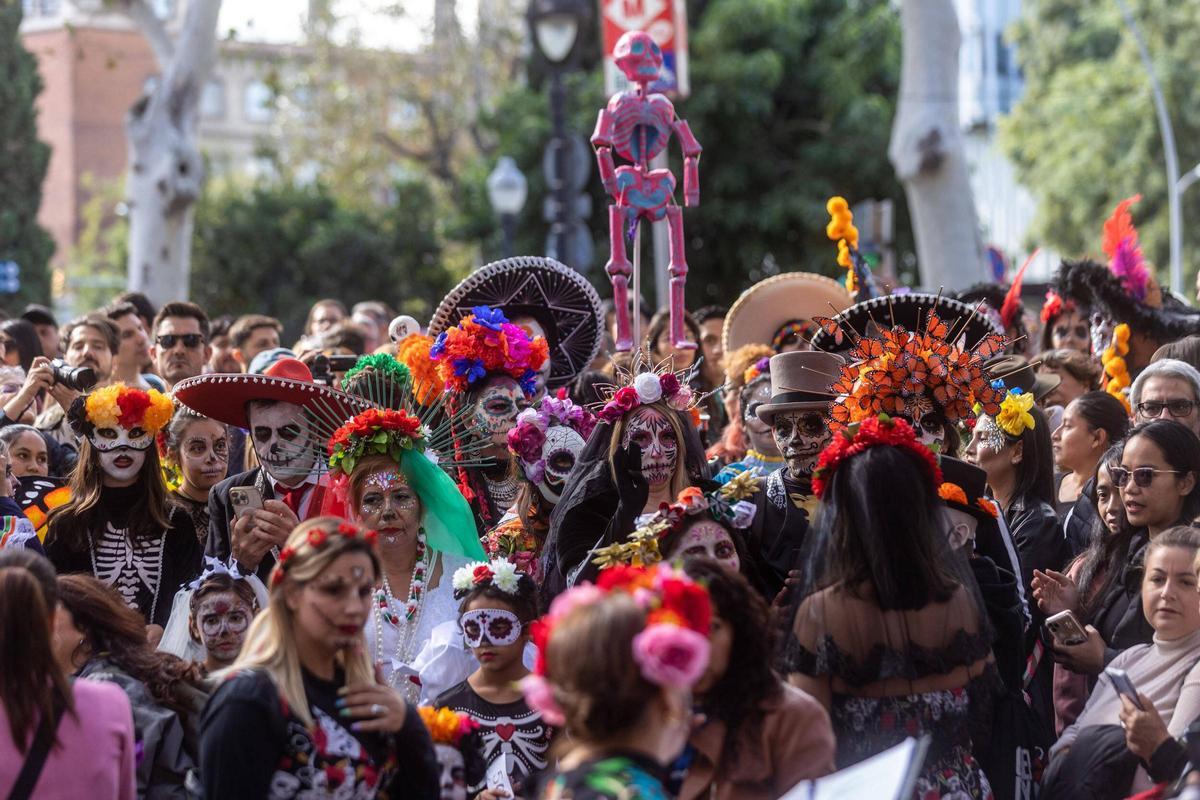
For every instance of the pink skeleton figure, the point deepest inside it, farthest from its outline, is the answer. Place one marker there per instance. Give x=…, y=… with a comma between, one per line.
x=638, y=126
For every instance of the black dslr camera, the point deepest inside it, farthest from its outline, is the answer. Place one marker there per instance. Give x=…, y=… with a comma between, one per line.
x=324, y=367
x=78, y=378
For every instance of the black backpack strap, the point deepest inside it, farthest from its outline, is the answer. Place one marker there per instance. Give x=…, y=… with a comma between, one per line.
x=35, y=759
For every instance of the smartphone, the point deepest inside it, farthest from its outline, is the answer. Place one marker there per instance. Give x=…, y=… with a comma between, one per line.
x=1121, y=682
x=1065, y=628
x=245, y=498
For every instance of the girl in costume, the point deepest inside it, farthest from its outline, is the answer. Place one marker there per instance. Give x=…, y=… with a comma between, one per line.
x=1065, y=326
x=499, y=604
x=616, y=664
x=546, y=441
x=117, y=524
x=211, y=615
x=300, y=713
x=490, y=366
x=198, y=448
x=460, y=764
x=746, y=442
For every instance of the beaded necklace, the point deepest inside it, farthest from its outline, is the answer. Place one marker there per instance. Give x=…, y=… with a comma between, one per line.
x=406, y=629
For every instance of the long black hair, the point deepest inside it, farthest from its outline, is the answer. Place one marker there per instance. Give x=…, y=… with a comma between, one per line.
x=1035, y=470
x=25, y=336
x=1102, y=558
x=1181, y=448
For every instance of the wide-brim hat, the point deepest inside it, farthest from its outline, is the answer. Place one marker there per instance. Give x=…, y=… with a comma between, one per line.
x=768, y=305
x=1017, y=372
x=223, y=397
x=910, y=311
x=972, y=480
x=562, y=301
x=800, y=381
x=1160, y=315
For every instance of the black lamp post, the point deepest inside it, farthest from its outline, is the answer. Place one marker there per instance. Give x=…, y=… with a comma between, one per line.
x=506, y=188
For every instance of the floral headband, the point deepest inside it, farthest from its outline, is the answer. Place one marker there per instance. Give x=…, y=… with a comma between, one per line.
x=672, y=650
x=317, y=539
x=529, y=434
x=447, y=726
x=1011, y=421
x=501, y=573
x=382, y=363
x=129, y=408
x=484, y=343
x=647, y=387
x=375, y=432
x=758, y=369
x=1054, y=306
x=881, y=431
x=953, y=493
x=727, y=504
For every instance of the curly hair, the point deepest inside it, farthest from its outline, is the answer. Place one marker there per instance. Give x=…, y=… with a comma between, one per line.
x=737, y=696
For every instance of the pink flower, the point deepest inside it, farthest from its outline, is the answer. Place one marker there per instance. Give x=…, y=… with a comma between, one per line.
x=670, y=655
x=681, y=399
x=540, y=696
x=626, y=398
x=573, y=598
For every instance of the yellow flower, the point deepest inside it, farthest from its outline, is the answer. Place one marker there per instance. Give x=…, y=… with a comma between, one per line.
x=1121, y=334
x=102, y=408
x=837, y=205
x=1014, y=417
x=159, y=413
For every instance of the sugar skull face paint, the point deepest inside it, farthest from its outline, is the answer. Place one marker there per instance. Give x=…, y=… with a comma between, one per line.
x=758, y=432
x=453, y=781
x=660, y=446
x=800, y=437
x=281, y=434
x=121, y=452
x=560, y=451
x=220, y=621
x=497, y=404
x=707, y=537
x=389, y=505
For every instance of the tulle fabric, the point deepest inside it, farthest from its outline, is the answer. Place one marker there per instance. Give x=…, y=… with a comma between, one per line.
x=177, y=637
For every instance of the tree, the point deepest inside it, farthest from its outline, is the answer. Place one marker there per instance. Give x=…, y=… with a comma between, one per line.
x=23, y=162
x=1087, y=93
x=927, y=148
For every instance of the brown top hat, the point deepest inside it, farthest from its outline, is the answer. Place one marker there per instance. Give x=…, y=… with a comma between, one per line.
x=800, y=381
x=1017, y=373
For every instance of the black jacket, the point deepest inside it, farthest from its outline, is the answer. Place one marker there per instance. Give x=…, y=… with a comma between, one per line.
x=220, y=517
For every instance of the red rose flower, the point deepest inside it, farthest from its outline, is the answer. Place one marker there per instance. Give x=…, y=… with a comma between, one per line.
x=669, y=384
x=626, y=398
x=347, y=530
x=317, y=537
x=482, y=574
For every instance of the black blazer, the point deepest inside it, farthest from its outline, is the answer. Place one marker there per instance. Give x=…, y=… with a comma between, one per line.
x=220, y=515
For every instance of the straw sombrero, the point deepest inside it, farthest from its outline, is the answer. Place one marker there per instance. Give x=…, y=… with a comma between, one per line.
x=770, y=304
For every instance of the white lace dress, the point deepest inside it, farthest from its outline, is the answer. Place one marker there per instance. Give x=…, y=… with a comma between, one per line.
x=433, y=659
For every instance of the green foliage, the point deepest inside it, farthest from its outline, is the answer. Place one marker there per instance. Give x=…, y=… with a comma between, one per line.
x=95, y=270
x=23, y=161
x=1085, y=134
x=277, y=248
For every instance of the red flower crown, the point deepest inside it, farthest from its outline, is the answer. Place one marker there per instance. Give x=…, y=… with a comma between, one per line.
x=881, y=431
x=1054, y=306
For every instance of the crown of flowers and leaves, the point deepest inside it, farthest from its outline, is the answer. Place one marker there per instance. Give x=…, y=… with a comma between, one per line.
x=375, y=432
x=728, y=504
x=129, y=408
x=644, y=384
x=898, y=372
x=881, y=431
x=529, y=434
x=512, y=541
x=500, y=572
x=317, y=538
x=447, y=726
x=383, y=364
x=485, y=343
x=672, y=649
x=759, y=369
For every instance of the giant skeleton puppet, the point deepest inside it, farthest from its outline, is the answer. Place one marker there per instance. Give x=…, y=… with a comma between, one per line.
x=637, y=125
x=283, y=410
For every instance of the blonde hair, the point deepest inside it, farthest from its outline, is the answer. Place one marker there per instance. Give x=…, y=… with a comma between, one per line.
x=270, y=643
x=679, y=479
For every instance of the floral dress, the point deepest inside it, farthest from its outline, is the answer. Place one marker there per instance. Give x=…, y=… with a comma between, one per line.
x=620, y=776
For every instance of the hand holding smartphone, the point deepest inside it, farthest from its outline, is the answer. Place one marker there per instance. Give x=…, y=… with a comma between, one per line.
x=1066, y=629
x=1123, y=685
x=245, y=498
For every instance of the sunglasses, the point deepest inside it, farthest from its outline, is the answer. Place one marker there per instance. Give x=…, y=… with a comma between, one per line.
x=190, y=340
x=493, y=625
x=1142, y=476
x=1178, y=408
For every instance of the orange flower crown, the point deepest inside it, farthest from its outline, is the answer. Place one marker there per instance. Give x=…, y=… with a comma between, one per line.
x=447, y=726
x=485, y=343
x=129, y=408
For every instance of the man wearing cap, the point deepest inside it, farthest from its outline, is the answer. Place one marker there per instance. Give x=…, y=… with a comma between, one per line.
x=279, y=408
x=798, y=415
x=46, y=326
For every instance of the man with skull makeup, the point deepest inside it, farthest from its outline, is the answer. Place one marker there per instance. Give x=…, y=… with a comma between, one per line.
x=279, y=409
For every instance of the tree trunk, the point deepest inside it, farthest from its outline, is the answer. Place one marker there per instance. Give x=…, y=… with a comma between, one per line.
x=166, y=171
x=927, y=151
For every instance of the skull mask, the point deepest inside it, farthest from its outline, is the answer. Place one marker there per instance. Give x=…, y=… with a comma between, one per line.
x=931, y=430
x=122, y=452
x=800, y=437
x=282, y=436
x=559, y=453
x=660, y=446
x=453, y=771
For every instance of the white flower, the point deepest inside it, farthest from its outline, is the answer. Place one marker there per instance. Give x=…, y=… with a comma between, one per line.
x=528, y=416
x=464, y=577
x=648, y=387
x=505, y=576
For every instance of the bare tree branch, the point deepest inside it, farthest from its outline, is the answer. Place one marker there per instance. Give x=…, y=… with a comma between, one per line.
x=142, y=14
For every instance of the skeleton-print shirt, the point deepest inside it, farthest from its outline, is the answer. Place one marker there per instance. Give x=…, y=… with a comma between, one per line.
x=252, y=746
x=511, y=729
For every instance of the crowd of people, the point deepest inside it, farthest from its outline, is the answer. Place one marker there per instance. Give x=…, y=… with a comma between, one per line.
x=494, y=557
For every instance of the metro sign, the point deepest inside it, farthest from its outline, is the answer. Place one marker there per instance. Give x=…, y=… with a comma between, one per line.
x=666, y=22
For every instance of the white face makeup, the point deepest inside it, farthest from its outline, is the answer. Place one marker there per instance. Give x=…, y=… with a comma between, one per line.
x=800, y=437
x=497, y=404
x=221, y=620
x=707, y=537
x=650, y=430
x=281, y=433
x=758, y=432
x=389, y=505
x=560, y=451
x=453, y=780
x=122, y=452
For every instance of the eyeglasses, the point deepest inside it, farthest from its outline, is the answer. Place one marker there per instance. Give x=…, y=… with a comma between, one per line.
x=494, y=625
x=1154, y=408
x=190, y=340
x=1142, y=476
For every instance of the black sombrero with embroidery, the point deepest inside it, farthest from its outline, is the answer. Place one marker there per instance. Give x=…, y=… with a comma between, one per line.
x=909, y=311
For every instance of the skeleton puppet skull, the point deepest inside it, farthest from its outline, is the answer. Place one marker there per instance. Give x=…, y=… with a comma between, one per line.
x=800, y=437
x=282, y=435
x=653, y=433
x=122, y=452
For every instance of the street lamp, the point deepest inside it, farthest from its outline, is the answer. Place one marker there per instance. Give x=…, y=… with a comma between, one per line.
x=506, y=188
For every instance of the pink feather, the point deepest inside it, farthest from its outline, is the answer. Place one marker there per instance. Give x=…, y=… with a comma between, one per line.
x=1123, y=250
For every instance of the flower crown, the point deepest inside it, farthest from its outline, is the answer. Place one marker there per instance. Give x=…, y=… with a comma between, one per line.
x=375, y=432
x=1054, y=306
x=447, y=726
x=647, y=387
x=1014, y=417
x=383, y=364
x=881, y=431
x=529, y=434
x=512, y=542
x=727, y=504
x=672, y=650
x=129, y=408
x=756, y=370
x=953, y=493
x=317, y=538
x=413, y=352
x=501, y=573
x=483, y=343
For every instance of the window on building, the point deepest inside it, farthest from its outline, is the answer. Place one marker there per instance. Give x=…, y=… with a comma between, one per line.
x=256, y=102
x=212, y=100
x=41, y=8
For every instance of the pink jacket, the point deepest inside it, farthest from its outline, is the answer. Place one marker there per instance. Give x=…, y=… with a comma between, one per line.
x=793, y=742
x=93, y=755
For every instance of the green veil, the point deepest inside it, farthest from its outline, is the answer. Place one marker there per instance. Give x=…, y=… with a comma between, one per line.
x=449, y=523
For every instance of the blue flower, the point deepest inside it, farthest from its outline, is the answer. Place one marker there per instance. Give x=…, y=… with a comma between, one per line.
x=470, y=368
x=529, y=383
x=998, y=385
x=1017, y=390
x=491, y=318
x=439, y=346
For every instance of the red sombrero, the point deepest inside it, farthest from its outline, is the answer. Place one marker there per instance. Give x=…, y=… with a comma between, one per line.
x=223, y=397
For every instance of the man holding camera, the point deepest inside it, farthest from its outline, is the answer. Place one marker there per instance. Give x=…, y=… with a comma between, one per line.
x=91, y=344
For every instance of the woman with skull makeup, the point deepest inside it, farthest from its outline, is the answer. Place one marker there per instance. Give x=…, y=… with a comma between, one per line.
x=747, y=441
x=199, y=448
x=301, y=713
x=117, y=525
x=210, y=616
x=490, y=366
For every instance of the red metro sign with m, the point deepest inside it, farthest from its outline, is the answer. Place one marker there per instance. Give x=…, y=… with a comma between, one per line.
x=666, y=22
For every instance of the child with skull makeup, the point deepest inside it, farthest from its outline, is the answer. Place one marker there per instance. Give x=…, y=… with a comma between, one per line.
x=117, y=525
x=498, y=605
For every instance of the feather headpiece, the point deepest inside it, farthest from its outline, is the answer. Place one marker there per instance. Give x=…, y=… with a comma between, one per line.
x=1123, y=250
